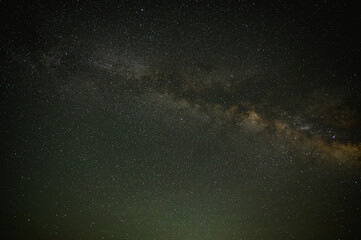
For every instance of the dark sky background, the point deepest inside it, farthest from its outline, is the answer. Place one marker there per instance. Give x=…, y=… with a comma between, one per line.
x=180, y=120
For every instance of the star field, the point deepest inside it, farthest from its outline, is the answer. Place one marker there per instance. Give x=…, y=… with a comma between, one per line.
x=180, y=120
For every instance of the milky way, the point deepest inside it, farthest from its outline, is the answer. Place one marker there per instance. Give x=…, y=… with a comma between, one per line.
x=193, y=120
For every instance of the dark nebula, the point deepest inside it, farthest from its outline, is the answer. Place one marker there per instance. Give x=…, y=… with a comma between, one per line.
x=180, y=120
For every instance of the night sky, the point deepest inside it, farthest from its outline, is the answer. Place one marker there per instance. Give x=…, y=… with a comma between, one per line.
x=180, y=120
